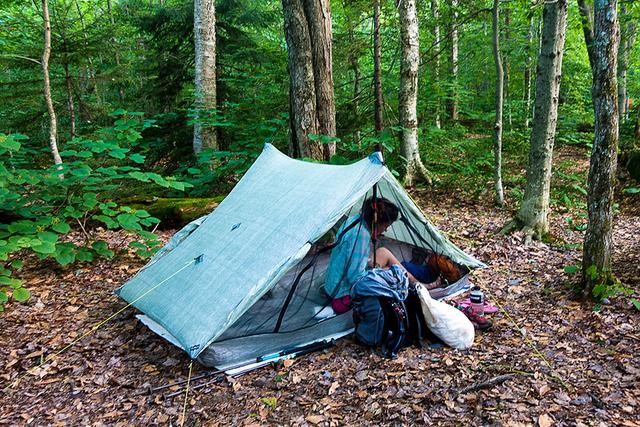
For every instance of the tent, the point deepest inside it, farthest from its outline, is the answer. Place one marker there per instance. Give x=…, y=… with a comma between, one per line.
x=232, y=286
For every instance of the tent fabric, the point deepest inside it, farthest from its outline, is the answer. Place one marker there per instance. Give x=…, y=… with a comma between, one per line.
x=256, y=238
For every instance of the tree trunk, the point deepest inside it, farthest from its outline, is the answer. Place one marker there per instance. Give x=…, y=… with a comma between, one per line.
x=623, y=54
x=452, y=102
x=636, y=130
x=116, y=48
x=527, y=71
x=70, y=102
x=535, y=205
x=91, y=72
x=377, y=82
x=318, y=14
x=357, y=76
x=53, y=122
x=435, y=11
x=204, y=31
x=497, y=140
x=586, y=18
x=414, y=170
x=507, y=65
x=302, y=92
x=307, y=27
x=598, y=240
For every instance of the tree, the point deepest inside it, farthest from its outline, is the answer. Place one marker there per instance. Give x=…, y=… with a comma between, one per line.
x=377, y=81
x=435, y=12
x=526, y=96
x=204, y=30
x=497, y=135
x=586, y=19
x=535, y=204
x=452, y=102
x=307, y=26
x=627, y=38
x=414, y=170
x=53, y=122
x=598, y=240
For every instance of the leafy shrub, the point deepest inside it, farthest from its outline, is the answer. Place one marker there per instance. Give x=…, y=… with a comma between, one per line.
x=40, y=206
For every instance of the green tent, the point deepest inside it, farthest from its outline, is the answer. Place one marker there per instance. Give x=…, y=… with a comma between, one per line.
x=232, y=286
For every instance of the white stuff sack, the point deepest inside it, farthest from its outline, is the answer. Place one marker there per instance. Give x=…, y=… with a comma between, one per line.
x=446, y=322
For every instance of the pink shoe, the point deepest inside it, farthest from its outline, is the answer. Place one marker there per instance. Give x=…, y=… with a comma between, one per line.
x=488, y=307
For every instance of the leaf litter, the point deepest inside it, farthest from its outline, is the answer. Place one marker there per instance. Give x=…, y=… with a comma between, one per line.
x=105, y=379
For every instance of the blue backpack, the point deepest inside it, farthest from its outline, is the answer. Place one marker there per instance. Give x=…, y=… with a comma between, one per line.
x=379, y=312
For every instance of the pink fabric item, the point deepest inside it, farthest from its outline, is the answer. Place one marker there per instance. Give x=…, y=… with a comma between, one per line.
x=342, y=304
x=488, y=307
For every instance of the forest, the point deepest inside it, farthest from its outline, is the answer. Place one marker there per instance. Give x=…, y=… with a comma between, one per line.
x=513, y=125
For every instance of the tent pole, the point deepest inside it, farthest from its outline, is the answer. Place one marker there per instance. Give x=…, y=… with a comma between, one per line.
x=374, y=226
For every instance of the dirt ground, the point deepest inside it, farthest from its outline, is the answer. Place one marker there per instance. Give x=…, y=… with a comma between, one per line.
x=549, y=360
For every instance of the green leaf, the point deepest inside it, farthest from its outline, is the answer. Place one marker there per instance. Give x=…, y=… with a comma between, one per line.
x=84, y=255
x=3, y=296
x=631, y=190
x=64, y=255
x=592, y=271
x=82, y=171
x=137, y=245
x=22, y=227
x=21, y=294
x=44, y=247
x=636, y=304
x=102, y=248
x=148, y=235
x=48, y=236
x=138, y=158
x=571, y=269
x=17, y=264
x=108, y=221
x=140, y=176
x=141, y=213
x=61, y=227
x=10, y=281
x=129, y=221
x=599, y=291
x=9, y=143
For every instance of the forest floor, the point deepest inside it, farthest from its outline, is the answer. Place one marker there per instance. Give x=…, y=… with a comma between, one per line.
x=566, y=364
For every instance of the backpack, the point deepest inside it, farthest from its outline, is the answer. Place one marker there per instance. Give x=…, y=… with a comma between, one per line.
x=381, y=322
x=379, y=313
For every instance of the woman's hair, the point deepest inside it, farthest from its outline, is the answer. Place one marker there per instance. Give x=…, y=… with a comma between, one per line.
x=387, y=211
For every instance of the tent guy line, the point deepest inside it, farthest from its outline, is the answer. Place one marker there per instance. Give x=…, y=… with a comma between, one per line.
x=98, y=325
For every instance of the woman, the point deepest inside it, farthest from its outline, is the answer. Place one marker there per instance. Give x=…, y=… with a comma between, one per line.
x=351, y=258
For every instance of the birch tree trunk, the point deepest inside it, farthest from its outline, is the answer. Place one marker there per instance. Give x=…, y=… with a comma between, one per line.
x=377, y=82
x=535, y=205
x=70, y=101
x=204, y=31
x=626, y=40
x=307, y=26
x=598, y=240
x=497, y=136
x=414, y=170
x=53, y=122
x=435, y=11
x=452, y=103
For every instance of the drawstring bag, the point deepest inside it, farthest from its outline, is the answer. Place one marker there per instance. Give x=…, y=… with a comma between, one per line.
x=446, y=322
